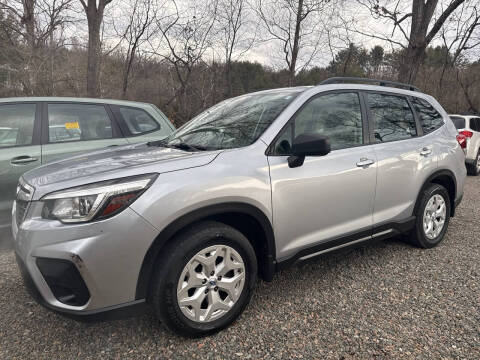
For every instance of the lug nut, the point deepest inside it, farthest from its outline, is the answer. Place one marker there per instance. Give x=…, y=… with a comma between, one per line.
x=204, y=281
x=206, y=291
x=212, y=273
x=219, y=278
x=215, y=288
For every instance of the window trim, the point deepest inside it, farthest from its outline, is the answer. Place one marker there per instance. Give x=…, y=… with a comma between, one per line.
x=371, y=120
x=45, y=138
x=365, y=125
x=122, y=123
x=36, y=124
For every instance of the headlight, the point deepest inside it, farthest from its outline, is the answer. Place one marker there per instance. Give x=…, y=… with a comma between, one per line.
x=94, y=201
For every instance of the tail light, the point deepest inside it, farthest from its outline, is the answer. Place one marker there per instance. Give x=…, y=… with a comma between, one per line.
x=466, y=133
x=462, y=140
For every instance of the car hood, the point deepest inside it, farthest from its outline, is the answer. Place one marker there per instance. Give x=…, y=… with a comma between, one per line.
x=110, y=164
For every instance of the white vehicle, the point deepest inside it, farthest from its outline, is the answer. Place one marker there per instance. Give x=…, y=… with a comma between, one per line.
x=469, y=126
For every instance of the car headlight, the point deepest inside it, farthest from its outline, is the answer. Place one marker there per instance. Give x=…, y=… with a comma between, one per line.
x=94, y=201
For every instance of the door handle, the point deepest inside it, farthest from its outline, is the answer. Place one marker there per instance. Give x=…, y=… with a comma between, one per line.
x=425, y=151
x=364, y=162
x=21, y=160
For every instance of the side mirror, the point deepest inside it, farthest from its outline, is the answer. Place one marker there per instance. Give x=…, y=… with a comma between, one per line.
x=308, y=144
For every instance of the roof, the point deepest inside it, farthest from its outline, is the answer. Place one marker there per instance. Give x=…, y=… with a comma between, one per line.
x=75, y=99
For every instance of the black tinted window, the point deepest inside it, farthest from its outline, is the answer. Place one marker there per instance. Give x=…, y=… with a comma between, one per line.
x=337, y=116
x=459, y=122
x=430, y=119
x=16, y=124
x=475, y=124
x=393, y=119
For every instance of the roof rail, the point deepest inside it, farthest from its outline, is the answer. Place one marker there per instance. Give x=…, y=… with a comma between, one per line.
x=339, y=80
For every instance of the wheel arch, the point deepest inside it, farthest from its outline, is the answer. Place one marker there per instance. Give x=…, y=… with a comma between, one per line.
x=246, y=218
x=447, y=179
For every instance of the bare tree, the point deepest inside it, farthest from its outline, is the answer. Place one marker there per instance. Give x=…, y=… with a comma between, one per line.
x=94, y=14
x=235, y=33
x=34, y=25
x=418, y=27
x=188, y=35
x=140, y=16
x=459, y=35
x=294, y=24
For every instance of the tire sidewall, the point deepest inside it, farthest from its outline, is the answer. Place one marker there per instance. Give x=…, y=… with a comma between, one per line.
x=191, y=243
x=427, y=195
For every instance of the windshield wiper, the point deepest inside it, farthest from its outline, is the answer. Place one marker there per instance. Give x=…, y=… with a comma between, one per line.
x=185, y=146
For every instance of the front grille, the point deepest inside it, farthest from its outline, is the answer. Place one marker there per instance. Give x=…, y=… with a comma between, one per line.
x=20, y=210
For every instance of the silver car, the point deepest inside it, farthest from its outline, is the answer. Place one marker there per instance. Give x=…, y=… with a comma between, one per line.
x=253, y=184
x=469, y=126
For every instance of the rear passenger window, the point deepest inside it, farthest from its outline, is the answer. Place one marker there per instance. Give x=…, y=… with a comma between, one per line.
x=16, y=124
x=138, y=121
x=430, y=119
x=392, y=117
x=70, y=122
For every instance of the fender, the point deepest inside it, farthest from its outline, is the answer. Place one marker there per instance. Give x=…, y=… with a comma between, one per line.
x=268, y=261
x=452, y=192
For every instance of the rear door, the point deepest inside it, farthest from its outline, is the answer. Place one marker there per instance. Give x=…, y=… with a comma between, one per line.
x=142, y=124
x=404, y=158
x=20, y=151
x=72, y=128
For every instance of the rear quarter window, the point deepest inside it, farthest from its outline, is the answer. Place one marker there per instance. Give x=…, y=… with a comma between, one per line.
x=430, y=119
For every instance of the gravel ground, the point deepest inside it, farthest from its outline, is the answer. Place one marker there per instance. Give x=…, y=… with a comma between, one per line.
x=386, y=300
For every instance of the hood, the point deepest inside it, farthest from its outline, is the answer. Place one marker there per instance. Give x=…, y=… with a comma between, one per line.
x=110, y=164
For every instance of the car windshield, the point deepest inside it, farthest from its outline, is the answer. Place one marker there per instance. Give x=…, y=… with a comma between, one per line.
x=233, y=123
x=458, y=121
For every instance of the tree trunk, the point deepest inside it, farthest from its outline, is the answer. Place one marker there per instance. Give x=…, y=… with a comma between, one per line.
x=94, y=49
x=296, y=44
x=410, y=64
x=95, y=18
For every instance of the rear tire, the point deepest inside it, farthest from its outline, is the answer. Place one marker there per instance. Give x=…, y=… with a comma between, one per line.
x=191, y=291
x=432, y=217
x=474, y=168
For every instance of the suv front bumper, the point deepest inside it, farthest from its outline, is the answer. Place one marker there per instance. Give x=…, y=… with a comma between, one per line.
x=83, y=269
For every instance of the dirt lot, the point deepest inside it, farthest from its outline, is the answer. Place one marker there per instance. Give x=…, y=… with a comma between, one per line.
x=386, y=300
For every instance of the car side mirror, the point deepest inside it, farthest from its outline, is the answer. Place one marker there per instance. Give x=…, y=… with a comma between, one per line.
x=308, y=144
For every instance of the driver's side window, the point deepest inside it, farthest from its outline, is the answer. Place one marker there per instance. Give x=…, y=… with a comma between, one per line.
x=336, y=115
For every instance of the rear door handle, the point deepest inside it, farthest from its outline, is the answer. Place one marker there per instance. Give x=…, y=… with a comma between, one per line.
x=22, y=160
x=425, y=151
x=364, y=162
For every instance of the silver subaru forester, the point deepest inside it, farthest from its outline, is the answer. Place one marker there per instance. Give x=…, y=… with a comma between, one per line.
x=251, y=185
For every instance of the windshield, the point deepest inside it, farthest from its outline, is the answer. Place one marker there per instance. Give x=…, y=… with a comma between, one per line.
x=458, y=121
x=233, y=123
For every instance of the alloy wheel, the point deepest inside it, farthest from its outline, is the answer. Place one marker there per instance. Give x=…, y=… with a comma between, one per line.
x=434, y=216
x=211, y=283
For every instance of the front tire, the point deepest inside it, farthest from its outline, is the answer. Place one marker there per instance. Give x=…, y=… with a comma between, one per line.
x=204, y=280
x=432, y=217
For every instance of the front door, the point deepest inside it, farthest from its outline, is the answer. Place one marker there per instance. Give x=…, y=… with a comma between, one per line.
x=328, y=198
